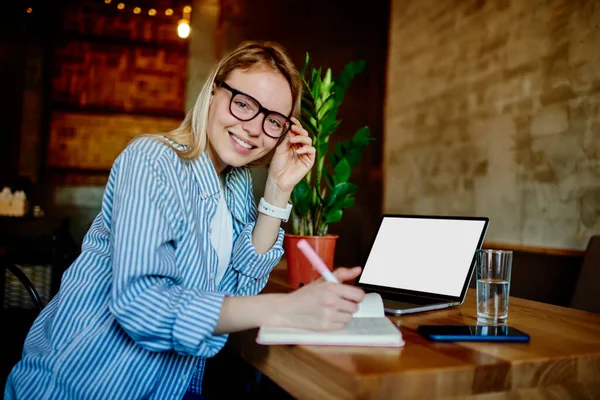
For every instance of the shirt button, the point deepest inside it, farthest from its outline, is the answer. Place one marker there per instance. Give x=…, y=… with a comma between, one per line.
x=212, y=276
x=183, y=377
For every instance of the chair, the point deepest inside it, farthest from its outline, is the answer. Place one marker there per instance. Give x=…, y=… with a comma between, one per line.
x=585, y=297
x=20, y=275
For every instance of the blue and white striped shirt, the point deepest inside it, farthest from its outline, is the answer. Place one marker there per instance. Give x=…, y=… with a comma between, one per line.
x=135, y=314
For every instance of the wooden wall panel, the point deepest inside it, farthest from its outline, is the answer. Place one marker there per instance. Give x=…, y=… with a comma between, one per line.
x=93, y=141
x=118, y=78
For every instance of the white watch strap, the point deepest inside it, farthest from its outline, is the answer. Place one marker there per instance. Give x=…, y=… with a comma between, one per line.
x=271, y=210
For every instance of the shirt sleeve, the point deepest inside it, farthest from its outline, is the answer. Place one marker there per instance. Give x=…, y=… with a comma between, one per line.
x=253, y=269
x=147, y=298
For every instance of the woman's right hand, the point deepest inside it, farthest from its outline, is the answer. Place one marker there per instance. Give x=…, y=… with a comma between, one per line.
x=320, y=305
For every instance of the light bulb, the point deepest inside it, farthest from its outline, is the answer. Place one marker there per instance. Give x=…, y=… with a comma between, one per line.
x=183, y=28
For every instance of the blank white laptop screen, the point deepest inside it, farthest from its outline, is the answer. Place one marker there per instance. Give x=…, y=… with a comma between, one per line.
x=422, y=254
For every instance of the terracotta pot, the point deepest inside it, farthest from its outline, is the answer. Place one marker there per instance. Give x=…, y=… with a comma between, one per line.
x=300, y=270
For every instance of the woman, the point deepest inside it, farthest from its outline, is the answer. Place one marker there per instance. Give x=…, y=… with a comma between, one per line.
x=178, y=253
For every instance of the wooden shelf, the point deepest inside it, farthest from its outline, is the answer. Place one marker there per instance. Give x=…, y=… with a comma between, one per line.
x=74, y=109
x=170, y=46
x=534, y=249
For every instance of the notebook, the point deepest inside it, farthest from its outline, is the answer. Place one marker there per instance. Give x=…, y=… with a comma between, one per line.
x=421, y=263
x=368, y=327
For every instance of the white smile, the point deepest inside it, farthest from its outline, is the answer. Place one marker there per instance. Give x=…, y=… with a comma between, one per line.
x=241, y=142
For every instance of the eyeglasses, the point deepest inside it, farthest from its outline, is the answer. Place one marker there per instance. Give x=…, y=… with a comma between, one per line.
x=245, y=108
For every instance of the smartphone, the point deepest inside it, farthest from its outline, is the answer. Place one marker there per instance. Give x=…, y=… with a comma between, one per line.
x=472, y=333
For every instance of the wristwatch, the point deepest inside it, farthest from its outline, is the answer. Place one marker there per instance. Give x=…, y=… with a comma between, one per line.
x=272, y=211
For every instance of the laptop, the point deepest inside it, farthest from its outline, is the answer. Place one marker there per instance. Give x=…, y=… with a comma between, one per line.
x=421, y=263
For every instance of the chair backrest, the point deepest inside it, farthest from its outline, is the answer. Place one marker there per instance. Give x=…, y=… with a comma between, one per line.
x=585, y=297
x=20, y=275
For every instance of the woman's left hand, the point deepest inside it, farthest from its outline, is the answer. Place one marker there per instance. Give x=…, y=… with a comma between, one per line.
x=293, y=158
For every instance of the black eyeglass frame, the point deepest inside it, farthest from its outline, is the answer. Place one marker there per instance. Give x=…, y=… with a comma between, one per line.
x=261, y=109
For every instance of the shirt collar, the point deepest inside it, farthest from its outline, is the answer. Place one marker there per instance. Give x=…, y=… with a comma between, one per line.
x=206, y=176
x=208, y=180
x=203, y=170
x=209, y=184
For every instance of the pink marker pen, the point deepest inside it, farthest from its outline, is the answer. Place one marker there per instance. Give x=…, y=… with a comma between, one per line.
x=316, y=261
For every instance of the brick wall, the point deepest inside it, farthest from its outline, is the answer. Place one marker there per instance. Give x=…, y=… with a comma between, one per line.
x=92, y=142
x=493, y=108
x=129, y=69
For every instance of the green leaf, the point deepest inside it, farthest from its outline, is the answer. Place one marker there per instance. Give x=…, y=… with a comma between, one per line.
x=347, y=146
x=307, y=65
x=323, y=147
x=347, y=75
x=342, y=171
x=353, y=157
x=316, y=87
x=301, y=198
x=307, y=97
x=327, y=99
x=308, y=125
x=333, y=159
x=333, y=216
x=330, y=126
x=328, y=114
x=339, y=151
x=328, y=179
x=361, y=138
x=326, y=84
x=325, y=108
x=342, y=82
x=310, y=112
x=339, y=193
x=348, y=202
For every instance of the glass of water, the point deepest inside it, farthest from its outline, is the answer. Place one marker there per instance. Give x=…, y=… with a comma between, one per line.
x=493, y=284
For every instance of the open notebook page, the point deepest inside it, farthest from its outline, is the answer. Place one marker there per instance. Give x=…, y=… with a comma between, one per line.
x=369, y=327
x=370, y=307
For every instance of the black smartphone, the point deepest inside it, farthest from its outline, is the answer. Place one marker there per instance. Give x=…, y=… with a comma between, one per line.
x=472, y=333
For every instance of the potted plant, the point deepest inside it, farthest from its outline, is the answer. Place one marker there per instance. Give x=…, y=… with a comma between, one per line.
x=320, y=198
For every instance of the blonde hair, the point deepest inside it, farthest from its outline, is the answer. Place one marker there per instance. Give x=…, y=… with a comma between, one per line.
x=249, y=55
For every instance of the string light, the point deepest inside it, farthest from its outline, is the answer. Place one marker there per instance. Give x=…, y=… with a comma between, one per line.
x=183, y=25
x=183, y=28
x=152, y=11
x=29, y=10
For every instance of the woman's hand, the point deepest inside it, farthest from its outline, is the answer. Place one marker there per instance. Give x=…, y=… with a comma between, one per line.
x=293, y=158
x=321, y=305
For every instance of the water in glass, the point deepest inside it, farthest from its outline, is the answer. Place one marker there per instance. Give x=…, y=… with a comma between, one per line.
x=492, y=300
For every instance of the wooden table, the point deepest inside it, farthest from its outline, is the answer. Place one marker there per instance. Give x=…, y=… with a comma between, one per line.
x=562, y=360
